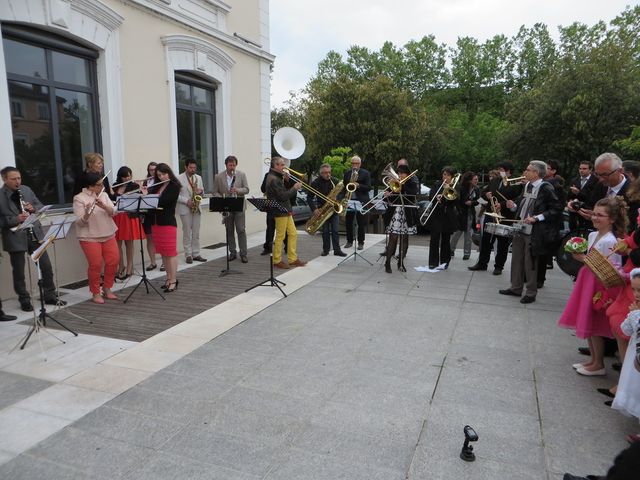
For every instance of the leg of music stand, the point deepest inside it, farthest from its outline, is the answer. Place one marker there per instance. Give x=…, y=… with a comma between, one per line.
x=227, y=270
x=143, y=278
x=271, y=281
x=41, y=321
x=355, y=253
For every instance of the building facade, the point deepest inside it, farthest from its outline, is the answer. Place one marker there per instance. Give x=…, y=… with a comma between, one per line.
x=138, y=81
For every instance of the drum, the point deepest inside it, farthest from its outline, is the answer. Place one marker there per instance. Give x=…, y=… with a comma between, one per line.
x=565, y=260
x=500, y=229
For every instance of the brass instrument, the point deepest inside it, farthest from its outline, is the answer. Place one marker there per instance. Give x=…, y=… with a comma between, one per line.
x=447, y=191
x=325, y=211
x=196, y=198
x=351, y=187
x=392, y=182
x=508, y=181
x=296, y=177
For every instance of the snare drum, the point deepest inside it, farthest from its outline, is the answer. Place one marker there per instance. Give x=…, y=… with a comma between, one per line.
x=499, y=229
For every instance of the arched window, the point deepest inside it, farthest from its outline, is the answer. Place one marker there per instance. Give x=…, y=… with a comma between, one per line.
x=54, y=109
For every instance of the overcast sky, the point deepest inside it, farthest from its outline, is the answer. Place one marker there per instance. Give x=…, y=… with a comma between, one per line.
x=303, y=31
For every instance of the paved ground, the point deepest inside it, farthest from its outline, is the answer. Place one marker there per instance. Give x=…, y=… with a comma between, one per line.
x=356, y=375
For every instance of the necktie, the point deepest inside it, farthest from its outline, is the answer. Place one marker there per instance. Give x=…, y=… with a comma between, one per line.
x=610, y=192
x=582, y=182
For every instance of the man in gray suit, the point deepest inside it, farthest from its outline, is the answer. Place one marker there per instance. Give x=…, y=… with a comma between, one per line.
x=16, y=203
x=232, y=182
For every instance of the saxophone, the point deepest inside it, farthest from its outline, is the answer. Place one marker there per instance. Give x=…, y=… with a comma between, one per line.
x=351, y=187
x=326, y=210
x=196, y=198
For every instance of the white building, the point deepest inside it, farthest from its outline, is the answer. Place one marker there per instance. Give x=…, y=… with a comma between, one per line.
x=139, y=81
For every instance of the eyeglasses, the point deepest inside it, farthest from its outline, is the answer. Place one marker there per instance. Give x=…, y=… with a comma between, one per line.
x=605, y=175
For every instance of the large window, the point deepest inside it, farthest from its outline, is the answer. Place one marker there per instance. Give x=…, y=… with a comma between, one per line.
x=53, y=96
x=195, y=104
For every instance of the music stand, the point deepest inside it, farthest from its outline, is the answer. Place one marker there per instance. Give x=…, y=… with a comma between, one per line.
x=268, y=206
x=355, y=206
x=41, y=320
x=60, y=229
x=139, y=204
x=226, y=206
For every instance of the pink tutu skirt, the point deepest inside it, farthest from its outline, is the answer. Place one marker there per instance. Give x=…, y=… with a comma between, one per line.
x=588, y=319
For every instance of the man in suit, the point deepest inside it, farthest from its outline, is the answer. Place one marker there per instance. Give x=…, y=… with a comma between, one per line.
x=539, y=207
x=233, y=182
x=581, y=190
x=17, y=201
x=500, y=189
x=190, y=215
x=612, y=182
x=362, y=179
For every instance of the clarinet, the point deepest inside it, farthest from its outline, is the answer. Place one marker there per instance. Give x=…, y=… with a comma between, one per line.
x=30, y=232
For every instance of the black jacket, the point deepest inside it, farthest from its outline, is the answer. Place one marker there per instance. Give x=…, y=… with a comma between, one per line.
x=324, y=187
x=275, y=189
x=463, y=209
x=166, y=213
x=364, y=185
x=410, y=191
x=585, y=194
x=600, y=191
x=444, y=218
x=545, y=234
x=510, y=192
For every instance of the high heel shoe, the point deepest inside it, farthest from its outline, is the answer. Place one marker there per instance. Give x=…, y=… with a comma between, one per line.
x=175, y=287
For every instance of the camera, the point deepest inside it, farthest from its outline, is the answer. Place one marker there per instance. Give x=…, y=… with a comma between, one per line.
x=577, y=205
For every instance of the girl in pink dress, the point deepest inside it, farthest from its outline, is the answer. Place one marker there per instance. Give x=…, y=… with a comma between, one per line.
x=585, y=310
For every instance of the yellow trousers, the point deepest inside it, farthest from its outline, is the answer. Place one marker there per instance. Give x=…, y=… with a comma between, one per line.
x=285, y=225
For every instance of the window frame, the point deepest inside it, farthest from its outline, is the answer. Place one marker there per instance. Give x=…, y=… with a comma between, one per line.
x=50, y=43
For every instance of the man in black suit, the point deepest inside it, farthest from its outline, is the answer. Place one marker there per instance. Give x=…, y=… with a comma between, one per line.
x=581, y=189
x=362, y=179
x=539, y=207
x=500, y=189
x=17, y=201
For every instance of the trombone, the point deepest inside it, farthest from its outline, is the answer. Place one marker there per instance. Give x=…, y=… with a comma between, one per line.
x=391, y=180
x=297, y=177
x=509, y=181
x=448, y=191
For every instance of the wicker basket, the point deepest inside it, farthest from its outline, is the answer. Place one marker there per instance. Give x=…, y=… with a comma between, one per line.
x=602, y=268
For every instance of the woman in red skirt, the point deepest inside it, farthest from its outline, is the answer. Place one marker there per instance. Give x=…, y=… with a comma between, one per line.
x=129, y=228
x=165, y=228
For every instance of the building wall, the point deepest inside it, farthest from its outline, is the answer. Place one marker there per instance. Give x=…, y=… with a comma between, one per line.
x=140, y=43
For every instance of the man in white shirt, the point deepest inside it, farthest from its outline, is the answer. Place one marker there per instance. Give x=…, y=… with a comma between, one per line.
x=189, y=211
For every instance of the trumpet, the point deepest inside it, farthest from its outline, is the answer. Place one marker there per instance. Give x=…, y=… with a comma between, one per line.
x=512, y=181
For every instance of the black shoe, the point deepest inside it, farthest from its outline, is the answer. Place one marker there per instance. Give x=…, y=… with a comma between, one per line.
x=244, y=259
x=26, y=306
x=189, y=259
x=266, y=251
x=348, y=245
x=360, y=246
x=402, y=268
x=151, y=267
x=540, y=284
x=199, y=258
x=59, y=302
x=584, y=351
x=232, y=257
x=616, y=366
x=508, y=291
x=606, y=392
x=339, y=253
x=497, y=271
x=477, y=268
x=465, y=257
x=6, y=318
x=453, y=254
x=324, y=253
x=387, y=267
x=527, y=299
x=608, y=403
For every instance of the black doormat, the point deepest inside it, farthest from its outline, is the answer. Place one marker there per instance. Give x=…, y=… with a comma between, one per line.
x=215, y=245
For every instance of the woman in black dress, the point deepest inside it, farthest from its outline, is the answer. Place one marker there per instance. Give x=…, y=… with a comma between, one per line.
x=443, y=221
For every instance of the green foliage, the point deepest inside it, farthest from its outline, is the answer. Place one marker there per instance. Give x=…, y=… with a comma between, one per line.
x=477, y=103
x=339, y=159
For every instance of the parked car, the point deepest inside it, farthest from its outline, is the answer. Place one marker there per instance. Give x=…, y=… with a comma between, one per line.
x=301, y=209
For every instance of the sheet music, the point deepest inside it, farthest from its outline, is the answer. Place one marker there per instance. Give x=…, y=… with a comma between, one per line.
x=60, y=227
